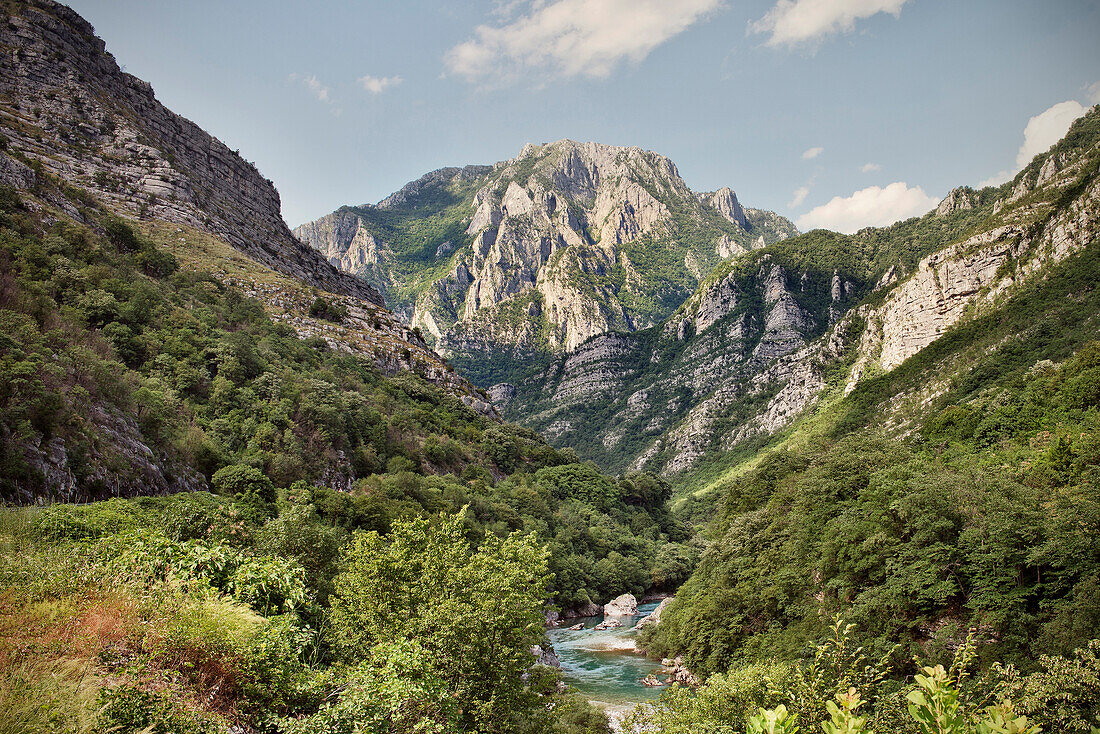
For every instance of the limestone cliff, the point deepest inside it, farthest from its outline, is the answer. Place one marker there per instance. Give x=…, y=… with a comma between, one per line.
x=541, y=252
x=65, y=104
x=661, y=398
x=78, y=135
x=771, y=332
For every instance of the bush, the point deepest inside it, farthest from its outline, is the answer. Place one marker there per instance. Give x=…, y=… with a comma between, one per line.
x=398, y=691
x=121, y=234
x=249, y=488
x=477, y=612
x=127, y=709
x=322, y=309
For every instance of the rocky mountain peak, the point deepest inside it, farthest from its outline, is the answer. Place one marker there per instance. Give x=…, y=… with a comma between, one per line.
x=724, y=200
x=958, y=199
x=545, y=250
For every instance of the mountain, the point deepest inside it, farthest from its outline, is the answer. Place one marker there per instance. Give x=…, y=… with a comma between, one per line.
x=504, y=265
x=770, y=332
x=68, y=106
x=937, y=472
x=126, y=193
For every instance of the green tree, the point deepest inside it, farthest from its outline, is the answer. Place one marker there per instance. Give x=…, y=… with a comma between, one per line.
x=249, y=487
x=477, y=611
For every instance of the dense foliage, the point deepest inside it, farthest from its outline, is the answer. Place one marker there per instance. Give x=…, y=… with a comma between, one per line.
x=842, y=691
x=240, y=605
x=179, y=614
x=984, y=514
x=989, y=516
x=222, y=393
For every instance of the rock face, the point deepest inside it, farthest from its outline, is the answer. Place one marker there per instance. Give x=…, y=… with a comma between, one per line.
x=79, y=134
x=539, y=253
x=725, y=203
x=757, y=344
x=957, y=200
x=661, y=399
x=545, y=655
x=621, y=606
x=968, y=277
x=65, y=103
x=654, y=617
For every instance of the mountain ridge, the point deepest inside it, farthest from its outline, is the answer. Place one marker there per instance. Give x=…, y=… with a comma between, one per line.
x=68, y=105
x=577, y=237
x=768, y=332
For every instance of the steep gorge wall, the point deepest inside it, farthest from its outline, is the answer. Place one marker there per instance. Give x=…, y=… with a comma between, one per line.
x=65, y=103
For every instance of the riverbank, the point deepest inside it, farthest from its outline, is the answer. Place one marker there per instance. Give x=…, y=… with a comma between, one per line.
x=605, y=665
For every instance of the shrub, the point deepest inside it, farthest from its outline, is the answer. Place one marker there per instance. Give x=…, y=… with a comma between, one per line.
x=398, y=691
x=127, y=709
x=249, y=488
x=476, y=611
x=322, y=309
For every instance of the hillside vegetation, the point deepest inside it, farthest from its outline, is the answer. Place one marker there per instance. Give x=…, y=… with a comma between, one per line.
x=220, y=605
x=950, y=503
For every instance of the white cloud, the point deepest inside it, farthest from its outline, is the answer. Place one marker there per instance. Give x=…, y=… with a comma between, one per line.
x=869, y=207
x=798, y=197
x=378, y=84
x=812, y=153
x=1092, y=93
x=321, y=92
x=996, y=179
x=792, y=22
x=1046, y=129
x=870, y=167
x=573, y=37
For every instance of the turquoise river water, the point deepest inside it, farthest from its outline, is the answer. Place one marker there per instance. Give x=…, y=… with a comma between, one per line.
x=605, y=666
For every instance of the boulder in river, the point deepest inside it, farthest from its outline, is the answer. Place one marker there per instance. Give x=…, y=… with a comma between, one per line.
x=586, y=610
x=607, y=624
x=654, y=617
x=621, y=606
x=576, y=627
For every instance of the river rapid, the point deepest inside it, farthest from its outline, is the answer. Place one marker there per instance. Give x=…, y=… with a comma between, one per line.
x=605, y=666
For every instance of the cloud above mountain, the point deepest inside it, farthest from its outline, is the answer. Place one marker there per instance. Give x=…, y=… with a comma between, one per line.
x=873, y=206
x=795, y=22
x=1044, y=130
x=571, y=38
x=1047, y=128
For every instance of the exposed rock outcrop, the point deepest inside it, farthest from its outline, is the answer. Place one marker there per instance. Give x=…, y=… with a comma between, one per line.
x=668, y=392
x=956, y=200
x=654, y=618
x=65, y=103
x=545, y=655
x=624, y=605
x=971, y=275
x=724, y=200
x=544, y=251
x=757, y=344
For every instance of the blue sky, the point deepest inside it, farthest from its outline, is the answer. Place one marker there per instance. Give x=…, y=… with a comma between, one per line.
x=835, y=113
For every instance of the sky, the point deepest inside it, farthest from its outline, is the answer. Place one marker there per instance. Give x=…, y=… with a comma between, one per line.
x=835, y=113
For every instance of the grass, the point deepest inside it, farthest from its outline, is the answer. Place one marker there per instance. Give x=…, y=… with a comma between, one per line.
x=56, y=696
x=71, y=625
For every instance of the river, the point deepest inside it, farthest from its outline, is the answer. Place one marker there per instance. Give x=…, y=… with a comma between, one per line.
x=605, y=666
